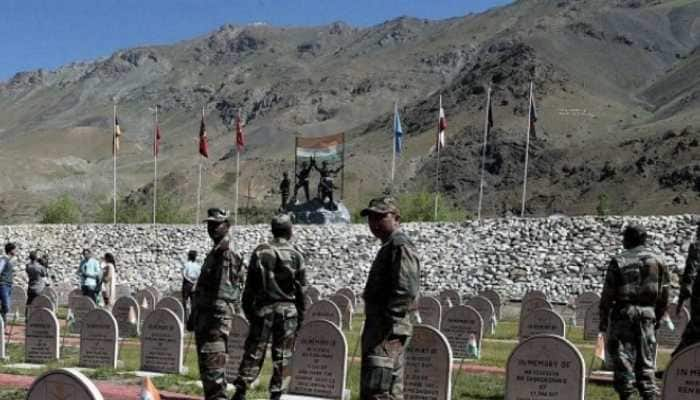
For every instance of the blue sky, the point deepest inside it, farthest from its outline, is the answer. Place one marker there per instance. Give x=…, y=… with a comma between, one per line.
x=49, y=33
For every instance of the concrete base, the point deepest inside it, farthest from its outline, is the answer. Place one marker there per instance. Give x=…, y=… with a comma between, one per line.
x=149, y=374
x=347, y=394
x=25, y=366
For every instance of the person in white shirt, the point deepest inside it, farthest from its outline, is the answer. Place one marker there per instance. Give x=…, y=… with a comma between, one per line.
x=190, y=274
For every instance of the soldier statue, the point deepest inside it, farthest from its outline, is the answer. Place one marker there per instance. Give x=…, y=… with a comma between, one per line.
x=303, y=179
x=284, y=191
x=325, y=183
x=690, y=289
x=634, y=299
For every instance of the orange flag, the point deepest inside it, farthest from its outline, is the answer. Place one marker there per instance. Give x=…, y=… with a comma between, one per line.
x=149, y=391
x=600, y=347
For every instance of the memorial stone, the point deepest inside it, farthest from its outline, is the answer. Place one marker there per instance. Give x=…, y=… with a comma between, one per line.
x=533, y=304
x=80, y=306
x=41, y=337
x=155, y=292
x=52, y=294
x=592, y=322
x=161, y=342
x=319, y=362
x=126, y=311
x=173, y=305
x=430, y=311
x=682, y=376
x=63, y=384
x=533, y=294
x=463, y=328
x=314, y=293
x=18, y=302
x=325, y=310
x=487, y=311
x=540, y=322
x=347, y=292
x=99, y=340
x=671, y=338
x=582, y=303
x=345, y=306
x=453, y=295
x=122, y=291
x=495, y=299
x=43, y=301
x=236, y=346
x=428, y=364
x=545, y=367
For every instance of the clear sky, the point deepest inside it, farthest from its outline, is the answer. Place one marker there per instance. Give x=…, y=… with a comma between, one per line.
x=49, y=33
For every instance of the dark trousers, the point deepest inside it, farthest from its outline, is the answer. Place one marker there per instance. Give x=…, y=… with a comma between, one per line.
x=383, y=359
x=5, y=301
x=187, y=292
x=305, y=186
x=91, y=293
x=632, y=349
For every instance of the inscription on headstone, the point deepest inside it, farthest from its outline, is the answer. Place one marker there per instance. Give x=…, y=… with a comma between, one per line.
x=41, y=344
x=667, y=337
x=582, y=303
x=173, y=305
x=161, y=342
x=126, y=311
x=682, y=376
x=43, y=301
x=430, y=311
x=99, y=340
x=345, y=306
x=531, y=305
x=495, y=299
x=80, y=306
x=236, y=346
x=325, y=310
x=463, y=328
x=63, y=384
x=428, y=364
x=540, y=322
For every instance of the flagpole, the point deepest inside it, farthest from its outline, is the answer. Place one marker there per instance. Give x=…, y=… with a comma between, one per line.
x=114, y=165
x=527, y=152
x=155, y=167
x=483, y=155
x=393, y=146
x=199, y=189
x=238, y=176
x=437, y=167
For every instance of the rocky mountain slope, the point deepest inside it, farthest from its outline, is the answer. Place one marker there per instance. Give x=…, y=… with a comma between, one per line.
x=616, y=83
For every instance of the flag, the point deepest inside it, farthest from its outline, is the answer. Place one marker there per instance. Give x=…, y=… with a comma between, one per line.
x=472, y=347
x=70, y=318
x=326, y=148
x=117, y=136
x=398, y=131
x=203, y=139
x=144, y=303
x=156, y=141
x=240, y=137
x=442, y=127
x=132, y=315
x=600, y=347
x=533, y=112
x=489, y=115
x=148, y=391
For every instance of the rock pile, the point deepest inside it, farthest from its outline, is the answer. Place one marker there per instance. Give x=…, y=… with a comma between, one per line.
x=560, y=256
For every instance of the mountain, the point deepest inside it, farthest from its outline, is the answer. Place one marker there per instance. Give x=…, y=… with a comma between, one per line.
x=616, y=85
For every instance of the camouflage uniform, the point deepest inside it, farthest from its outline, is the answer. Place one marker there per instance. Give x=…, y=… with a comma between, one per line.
x=634, y=299
x=690, y=289
x=216, y=297
x=273, y=302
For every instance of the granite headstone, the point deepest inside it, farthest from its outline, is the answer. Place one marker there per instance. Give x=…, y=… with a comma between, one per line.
x=324, y=310
x=428, y=364
x=463, y=327
x=236, y=346
x=430, y=311
x=63, y=384
x=540, y=322
x=99, y=340
x=41, y=337
x=682, y=376
x=174, y=305
x=127, y=312
x=161, y=342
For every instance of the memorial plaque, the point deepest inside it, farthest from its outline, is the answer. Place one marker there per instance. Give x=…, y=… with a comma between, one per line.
x=463, y=328
x=314, y=293
x=43, y=301
x=545, y=367
x=52, y=294
x=682, y=376
x=126, y=311
x=592, y=322
x=488, y=313
x=63, y=384
x=345, y=306
x=147, y=302
x=161, y=342
x=236, y=346
x=347, y=292
x=582, y=303
x=430, y=311
x=542, y=322
x=495, y=299
x=173, y=305
x=319, y=362
x=18, y=303
x=533, y=304
x=99, y=340
x=533, y=294
x=324, y=310
x=80, y=307
x=668, y=337
x=428, y=362
x=41, y=344
x=452, y=295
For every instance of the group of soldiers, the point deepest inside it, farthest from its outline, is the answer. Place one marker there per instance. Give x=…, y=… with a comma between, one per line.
x=325, y=183
x=271, y=296
x=634, y=301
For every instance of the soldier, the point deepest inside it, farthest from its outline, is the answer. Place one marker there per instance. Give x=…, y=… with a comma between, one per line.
x=690, y=289
x=215, y=299
x=390, y=303
x=284, y=191
x=7, y=274
x=634, y=299
x=325, y=183
x=273, y=302
x=303, y=179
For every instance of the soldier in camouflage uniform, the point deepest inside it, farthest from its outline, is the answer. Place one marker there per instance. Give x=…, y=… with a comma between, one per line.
x=634, y=299
x=390, y=303
x=273, y=302
x=690, y=289
x=216, y=297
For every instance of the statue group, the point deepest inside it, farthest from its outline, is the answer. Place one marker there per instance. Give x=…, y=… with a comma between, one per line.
x=324, y=192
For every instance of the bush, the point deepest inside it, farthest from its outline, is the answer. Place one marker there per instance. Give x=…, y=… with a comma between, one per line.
x=168, y=212
x=603, y=207
x=420, y=207
x=63, y=210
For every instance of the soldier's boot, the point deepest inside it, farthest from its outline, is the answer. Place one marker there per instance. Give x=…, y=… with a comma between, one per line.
x=275, y=395
x=239, y=395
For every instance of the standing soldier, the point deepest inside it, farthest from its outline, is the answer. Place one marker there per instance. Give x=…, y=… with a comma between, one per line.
x=284, y=191
x=390, y=303
x=634, y=299
x=217, y=295
x=690, y=289
x=273, y=302
x=303, y=179
x=7, y=275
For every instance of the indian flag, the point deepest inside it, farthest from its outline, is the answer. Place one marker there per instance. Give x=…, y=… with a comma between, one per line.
x=326, y=148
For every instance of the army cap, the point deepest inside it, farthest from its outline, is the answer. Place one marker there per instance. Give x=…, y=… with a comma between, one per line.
x=281, y=221
x=382, y=205
x=217, y=215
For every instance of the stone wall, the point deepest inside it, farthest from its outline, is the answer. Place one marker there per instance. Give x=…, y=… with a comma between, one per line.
x=562, y=256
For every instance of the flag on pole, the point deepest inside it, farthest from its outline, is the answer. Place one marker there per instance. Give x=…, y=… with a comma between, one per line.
x=533, y=112
x=156, y=141
x=600, y=347
x=132, y=315
x=442, y=127
x=240, y=137
x=203, y=139
x=144, y=303
x=489, y=116
x=148, y=390
x=117, y=135
x=70, y=319
x=398, y=132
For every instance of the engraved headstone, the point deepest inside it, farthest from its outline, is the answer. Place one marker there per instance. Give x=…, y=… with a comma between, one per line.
x=452, y=295
x=582, y=303
x=155, y=292
x=428, y=362
x=324, y=310
x=545, y=367
x=345, y=306
x=161, y=342
x=533, y=304
x=236, y=346
x=127, y=312
x=430, y=311
x=591, y=322
x=43, y=301
x=682, y=376
x=52, y=294
x=80, y=306
x=533, y=294
x=314, y=293
x=671, y=338
x=122, y=290
x=347, y=292
x=495, y=299
x=41, y=340
x=99, y=340
x=63, y=384
x=488, y=313
x=463, y=327
x=541, y=322
x=18, y=302
x=173, y=305
x=147, y=302
x=319, y=362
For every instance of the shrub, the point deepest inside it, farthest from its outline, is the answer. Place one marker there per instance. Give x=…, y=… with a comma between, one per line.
x=63, y=210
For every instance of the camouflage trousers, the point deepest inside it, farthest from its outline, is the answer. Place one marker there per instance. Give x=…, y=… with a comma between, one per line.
x=212, y=328
x=383, y=359
x=691, y=335
x=279, y=323
x=632, y=349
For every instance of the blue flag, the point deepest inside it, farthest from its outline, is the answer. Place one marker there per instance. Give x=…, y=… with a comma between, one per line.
x=398, y=132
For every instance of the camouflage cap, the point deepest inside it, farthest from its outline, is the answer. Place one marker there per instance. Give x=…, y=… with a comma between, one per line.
x=281, y=221
x=217, y=215
x=382, y=205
